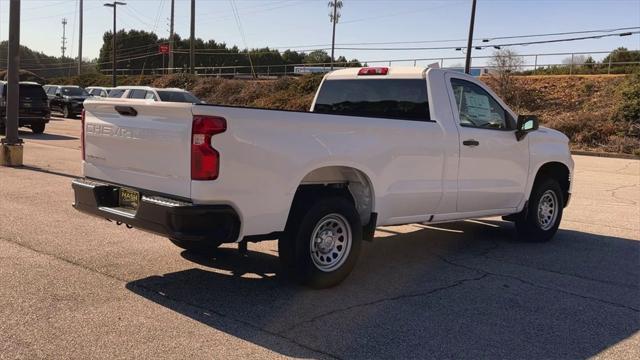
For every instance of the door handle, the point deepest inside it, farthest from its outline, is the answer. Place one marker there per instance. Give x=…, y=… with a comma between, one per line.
x=126, y=111
x=471, y=142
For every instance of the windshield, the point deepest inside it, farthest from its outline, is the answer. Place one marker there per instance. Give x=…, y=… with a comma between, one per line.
x=74, y=91
x=404, y=99
x=177, y=96
x=32, y=91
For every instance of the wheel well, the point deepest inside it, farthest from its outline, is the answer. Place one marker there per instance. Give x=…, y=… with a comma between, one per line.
x=559, y=172
x=344, y=181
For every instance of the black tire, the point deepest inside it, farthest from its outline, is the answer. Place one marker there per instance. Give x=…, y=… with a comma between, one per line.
x=38, y=128
x=339, y=219
x=529, y=225
x=199, y=247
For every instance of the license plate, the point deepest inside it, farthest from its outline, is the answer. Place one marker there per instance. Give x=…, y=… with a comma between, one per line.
x=129, y=198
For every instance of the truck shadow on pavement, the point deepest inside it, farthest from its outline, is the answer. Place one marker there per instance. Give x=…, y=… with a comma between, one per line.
x=460, y=290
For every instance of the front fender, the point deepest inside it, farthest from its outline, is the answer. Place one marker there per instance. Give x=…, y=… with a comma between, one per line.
x=546, y=146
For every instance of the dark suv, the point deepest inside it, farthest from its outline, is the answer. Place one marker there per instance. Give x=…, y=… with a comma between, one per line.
x=66, y=99
x=33, y=107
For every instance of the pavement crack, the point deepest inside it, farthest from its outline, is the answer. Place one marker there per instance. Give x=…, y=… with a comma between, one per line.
x=530, y=283
x=622, y=200
x=387, y=299
x=577, y=276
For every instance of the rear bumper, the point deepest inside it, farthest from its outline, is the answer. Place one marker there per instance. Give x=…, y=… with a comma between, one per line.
x=175, y=219
x=26, y=120
x=76, y=107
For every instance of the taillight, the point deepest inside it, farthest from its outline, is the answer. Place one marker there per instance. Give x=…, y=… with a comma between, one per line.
x=205, y=160
x=374, y=71
x=82, y=134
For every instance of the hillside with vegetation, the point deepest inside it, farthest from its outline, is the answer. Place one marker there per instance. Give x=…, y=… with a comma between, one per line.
x=598, y=112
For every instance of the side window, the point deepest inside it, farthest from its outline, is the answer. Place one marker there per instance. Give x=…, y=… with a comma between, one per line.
x=151, y=96
x=137, y=94
x=116, y=93
x=103, y=93
x=51, y=91
x=402, y=99
x=476, y=108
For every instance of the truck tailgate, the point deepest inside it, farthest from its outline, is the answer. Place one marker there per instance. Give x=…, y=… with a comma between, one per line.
x=141, y=144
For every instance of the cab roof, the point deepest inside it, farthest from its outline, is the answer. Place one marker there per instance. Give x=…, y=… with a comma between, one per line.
x=137, y=87
x=396, y=72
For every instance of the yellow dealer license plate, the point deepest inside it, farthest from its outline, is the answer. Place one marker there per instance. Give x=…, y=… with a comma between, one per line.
x=129, y=198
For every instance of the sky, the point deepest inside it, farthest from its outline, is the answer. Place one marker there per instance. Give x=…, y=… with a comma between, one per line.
x=305, y=23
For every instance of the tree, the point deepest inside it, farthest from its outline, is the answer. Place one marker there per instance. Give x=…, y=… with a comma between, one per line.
x=503, y=64
x=292, y=57
x=317, y=57
x=575, y=60
x=622, y=54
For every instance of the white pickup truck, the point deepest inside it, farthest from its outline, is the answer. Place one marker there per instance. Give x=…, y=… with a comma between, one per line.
x=380, y=146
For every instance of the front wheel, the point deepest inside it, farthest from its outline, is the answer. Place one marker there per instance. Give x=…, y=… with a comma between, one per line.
x=541, y=219
x=321, y=246
x=38, y=128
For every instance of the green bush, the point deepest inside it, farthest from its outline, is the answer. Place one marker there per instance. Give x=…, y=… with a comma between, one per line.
x=629, y=108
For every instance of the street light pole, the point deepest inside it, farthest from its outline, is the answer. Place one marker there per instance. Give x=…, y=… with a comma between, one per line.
x=333, y=33
x=467, y=64
x=114, y=5
x=80, y=42
x=171, y=44
x=192, y=39
x=11, y=144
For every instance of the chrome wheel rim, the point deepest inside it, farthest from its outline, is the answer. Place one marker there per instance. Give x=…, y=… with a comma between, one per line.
x=547, y=210
x=330, y=242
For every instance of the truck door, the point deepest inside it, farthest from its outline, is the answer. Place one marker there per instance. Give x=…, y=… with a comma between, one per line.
x=493, y=164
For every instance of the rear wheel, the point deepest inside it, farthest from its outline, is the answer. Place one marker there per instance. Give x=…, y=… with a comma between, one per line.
x=321, y=245
x=200, y=247
x=541, y=219
x=38, y=128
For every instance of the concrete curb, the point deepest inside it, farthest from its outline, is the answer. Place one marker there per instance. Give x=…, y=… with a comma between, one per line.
x=605, y=154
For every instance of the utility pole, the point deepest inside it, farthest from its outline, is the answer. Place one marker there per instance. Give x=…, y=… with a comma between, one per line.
x=11, y=144
x=173, y=4
x=192, y=40
x=467, y=64
x=114, y=5
x=64, y=36
x=336, y=4
x=80, y=42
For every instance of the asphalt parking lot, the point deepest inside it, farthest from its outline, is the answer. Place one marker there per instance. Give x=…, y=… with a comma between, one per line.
x=73, y=286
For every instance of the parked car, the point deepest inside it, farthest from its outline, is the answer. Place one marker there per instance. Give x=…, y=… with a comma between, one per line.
x=381, y=146
x=99, y=91
x=33, y=107
x=67, y=99
x=156, y=94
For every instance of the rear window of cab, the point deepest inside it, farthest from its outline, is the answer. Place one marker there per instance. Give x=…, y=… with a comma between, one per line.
x=401, y=99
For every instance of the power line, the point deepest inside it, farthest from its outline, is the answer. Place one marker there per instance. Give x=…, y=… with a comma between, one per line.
x=456, y=40
x=244, y=39
x=490, y=46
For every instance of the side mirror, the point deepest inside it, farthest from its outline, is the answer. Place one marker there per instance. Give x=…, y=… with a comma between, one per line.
x=526, y=124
